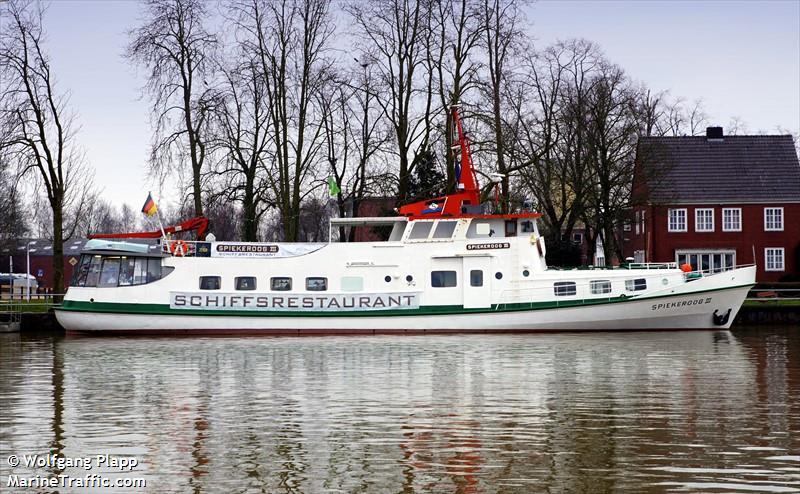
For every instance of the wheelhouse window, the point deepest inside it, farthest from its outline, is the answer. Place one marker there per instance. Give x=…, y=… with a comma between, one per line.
x=280, y=284
x=94, y=271
x=210, y=282
x=476, y=277
x=106, y=271
x=79, y=277
x=599, y=287
x=704, y=220
x=676, y=220
x=127, y=266
x=316, y=284
x=245, y=282
x=732, y=219
x=708, y=261
x=773, y=219
x=443, y=279
x=109, y=275
x=774, y=259
x=420, y=230
x=444, y=229
x=636, y=285
x=565, y=288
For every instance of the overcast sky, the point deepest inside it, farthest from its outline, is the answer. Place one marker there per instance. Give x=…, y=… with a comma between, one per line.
x=742, y=58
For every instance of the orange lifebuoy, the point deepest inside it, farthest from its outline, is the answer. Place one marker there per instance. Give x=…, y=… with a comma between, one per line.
x=179, y=248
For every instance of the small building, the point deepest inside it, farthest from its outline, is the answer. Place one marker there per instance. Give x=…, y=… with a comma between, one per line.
x=717, y=201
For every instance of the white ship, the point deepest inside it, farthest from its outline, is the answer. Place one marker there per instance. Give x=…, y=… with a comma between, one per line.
x=445, y=267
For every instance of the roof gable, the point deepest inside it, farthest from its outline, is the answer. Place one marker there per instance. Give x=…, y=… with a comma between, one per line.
x=691, y=169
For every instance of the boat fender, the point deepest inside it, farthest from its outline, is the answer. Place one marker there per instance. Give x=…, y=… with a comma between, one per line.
x=721, y=319
x=178, y=248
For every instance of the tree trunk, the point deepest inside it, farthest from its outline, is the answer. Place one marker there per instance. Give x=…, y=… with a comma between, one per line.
x=58, y=245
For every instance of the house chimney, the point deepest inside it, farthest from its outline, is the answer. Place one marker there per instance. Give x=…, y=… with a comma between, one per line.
x=714, y=133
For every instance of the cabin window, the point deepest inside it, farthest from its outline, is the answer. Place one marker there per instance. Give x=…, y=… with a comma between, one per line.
x=94, y=271
x=636, y=285
x=126, y=269
x=245, y=282
x=511, y=228
x=109, y=275
x=443, y=279
x=527, y=226
x=316, y=284
x=420, y=230
x=476, y=277
x=281, y=284
x=210, y=282
x=352, y=283
x=140, y=271
x=565, y=288
x=599, y=287
x=444, y=229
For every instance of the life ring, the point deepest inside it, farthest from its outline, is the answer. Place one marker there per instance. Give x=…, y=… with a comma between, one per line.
x=179, y=248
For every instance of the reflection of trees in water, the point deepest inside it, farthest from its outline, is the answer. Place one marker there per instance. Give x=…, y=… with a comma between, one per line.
x=562, y=413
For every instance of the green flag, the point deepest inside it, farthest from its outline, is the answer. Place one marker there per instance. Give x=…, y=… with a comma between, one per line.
x=333, y=187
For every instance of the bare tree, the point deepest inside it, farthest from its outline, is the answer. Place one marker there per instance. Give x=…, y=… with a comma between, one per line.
x=611, y=151
x=36, y=130
x=289, y=39
x=354, y=137
x=177, y=50
x=501, y=39
x=455, y=32
x=242, y=125
x=392, y=40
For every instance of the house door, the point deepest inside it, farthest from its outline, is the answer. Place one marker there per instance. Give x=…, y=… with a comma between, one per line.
x=477, y=282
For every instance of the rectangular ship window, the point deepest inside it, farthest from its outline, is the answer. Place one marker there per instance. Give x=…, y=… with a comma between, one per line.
x=281, y=284
x=316, y=284
x=565, y=288
x=443, y=279
x=210, y=282
x=598, y=287
x=636, y=285
x=476, y=277
x=245, y=282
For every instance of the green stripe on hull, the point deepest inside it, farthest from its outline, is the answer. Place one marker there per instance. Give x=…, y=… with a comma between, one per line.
x=431, y=310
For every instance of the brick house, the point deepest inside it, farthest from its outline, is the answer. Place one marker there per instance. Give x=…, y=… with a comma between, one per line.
x=717, y=201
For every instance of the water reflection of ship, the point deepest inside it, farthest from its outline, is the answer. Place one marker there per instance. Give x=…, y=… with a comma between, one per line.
x=421, y=448
x=751, y=378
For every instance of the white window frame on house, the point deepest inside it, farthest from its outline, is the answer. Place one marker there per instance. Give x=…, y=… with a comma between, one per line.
x=636, y=222
x=730, y=226
x=777, y=221
x=775, y=265
x=697, y=220
x=674, y=226
x=718, y=259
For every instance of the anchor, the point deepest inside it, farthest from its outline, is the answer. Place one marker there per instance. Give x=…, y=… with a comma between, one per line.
x=721, y=319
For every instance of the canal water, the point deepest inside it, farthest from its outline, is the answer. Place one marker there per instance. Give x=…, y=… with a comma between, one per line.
x=695, y=411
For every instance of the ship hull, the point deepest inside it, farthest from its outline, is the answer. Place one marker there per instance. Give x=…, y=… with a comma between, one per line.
x=689, y=310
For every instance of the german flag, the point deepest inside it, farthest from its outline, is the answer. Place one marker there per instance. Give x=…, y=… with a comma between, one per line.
x=149, y=207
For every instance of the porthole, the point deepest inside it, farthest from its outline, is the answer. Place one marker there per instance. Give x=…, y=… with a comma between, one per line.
x=409, y=278
x=387, y=278
x=665, y=282
x=526, y=273
x=498, y=275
